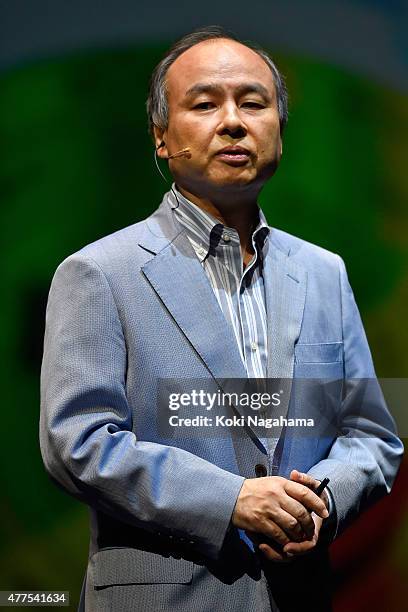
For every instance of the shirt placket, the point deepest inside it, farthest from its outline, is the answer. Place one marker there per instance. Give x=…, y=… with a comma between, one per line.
x=231, y=250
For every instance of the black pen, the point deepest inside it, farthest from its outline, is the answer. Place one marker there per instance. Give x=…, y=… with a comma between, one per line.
x=322, y=486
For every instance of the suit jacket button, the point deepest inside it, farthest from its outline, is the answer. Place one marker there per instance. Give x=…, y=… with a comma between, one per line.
x=260, y=470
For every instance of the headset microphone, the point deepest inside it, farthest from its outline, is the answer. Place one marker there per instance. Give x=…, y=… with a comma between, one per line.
x=183, y=152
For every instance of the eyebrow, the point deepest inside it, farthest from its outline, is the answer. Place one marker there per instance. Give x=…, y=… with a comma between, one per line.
x=255, y=87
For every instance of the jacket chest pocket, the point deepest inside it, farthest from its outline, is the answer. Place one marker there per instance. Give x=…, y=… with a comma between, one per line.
x=319, y=360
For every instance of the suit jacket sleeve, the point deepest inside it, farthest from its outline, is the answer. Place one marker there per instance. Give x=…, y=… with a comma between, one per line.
x=87, y=443
x=364, y=460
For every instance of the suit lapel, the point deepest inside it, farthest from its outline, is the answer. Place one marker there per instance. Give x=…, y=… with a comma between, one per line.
x=285, y=293
x=180, y=282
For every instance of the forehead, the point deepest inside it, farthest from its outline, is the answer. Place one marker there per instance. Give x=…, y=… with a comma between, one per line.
x=222, y=61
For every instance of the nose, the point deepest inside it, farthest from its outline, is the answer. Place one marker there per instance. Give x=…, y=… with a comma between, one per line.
x=231, y=122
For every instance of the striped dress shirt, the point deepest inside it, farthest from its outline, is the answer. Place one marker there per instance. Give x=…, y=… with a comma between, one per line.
x=240, y=293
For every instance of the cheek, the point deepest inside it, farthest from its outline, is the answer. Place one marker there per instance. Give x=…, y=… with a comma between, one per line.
x=267, y=132
x=192, y=130
x=177, y=129
x=270, y=144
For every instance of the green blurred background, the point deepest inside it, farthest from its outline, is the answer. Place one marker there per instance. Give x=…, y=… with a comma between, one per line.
x=76, y=163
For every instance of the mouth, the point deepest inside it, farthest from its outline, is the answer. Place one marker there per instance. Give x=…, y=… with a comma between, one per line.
x=234, y=155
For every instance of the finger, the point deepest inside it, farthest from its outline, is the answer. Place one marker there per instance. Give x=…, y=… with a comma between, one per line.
x=290, y=524
x=300, y=514
x=273, y=531
x=299, y=548
x=271, y=554
x=294, y=548
x=306, y=497
x=311, y=482
x=305, y=479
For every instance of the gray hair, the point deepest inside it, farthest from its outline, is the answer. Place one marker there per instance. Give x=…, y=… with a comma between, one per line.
x=156, y=103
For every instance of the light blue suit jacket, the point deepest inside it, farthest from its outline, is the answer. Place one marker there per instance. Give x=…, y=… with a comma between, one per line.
x=136, y=307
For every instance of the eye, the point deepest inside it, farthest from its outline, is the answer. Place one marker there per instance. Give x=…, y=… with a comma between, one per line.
x=204, y=105
x=253, y=104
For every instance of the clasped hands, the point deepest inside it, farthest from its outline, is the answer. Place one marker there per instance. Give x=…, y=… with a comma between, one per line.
x=283, y=517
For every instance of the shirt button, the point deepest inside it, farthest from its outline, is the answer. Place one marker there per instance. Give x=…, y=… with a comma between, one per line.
x=226, y=237
x=260, y=470
x=254, y=346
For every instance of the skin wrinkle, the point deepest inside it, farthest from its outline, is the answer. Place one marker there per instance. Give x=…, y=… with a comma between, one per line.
x=214, y=88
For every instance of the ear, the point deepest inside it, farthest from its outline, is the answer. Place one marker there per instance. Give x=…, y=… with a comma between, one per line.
x=159, y=138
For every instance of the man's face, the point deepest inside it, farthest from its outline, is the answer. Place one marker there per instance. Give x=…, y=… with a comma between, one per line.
x=221, y=94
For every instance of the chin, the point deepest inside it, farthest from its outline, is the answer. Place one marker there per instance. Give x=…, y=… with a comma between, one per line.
x=236, y=185
x=234, y=179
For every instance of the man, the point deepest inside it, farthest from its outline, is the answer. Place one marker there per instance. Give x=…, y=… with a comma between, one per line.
x=205, y=289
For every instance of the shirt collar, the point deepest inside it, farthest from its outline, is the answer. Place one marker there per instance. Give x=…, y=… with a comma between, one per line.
x=205, y=231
